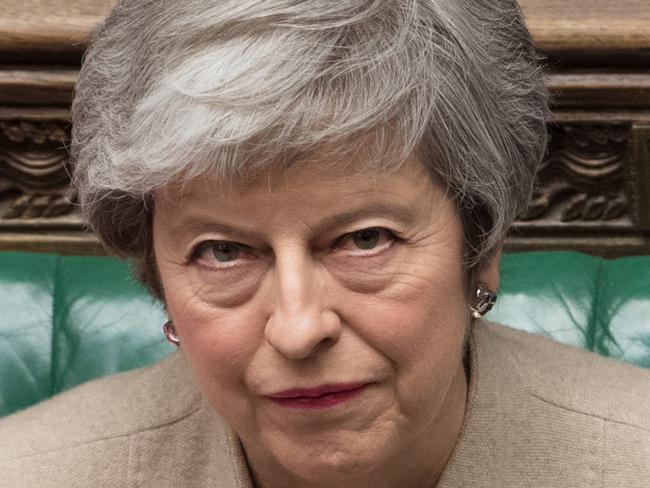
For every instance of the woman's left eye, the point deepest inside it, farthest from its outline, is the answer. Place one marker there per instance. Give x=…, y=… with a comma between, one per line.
x=373, y=239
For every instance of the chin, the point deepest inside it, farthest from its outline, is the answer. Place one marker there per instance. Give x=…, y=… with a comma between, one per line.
x=331, y=464
x=315, y=460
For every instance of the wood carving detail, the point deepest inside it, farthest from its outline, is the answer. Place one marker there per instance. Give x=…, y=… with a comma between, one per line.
x=638, y=176
x=34, y=173
x=582, y=181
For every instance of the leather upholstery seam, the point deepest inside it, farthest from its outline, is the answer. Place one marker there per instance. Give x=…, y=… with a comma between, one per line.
x=53, y=341
x=592, y=338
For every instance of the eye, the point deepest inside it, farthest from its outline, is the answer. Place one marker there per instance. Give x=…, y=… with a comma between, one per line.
x=225, y=252
x=373, y=239
x=366, y=239
x=219, y=253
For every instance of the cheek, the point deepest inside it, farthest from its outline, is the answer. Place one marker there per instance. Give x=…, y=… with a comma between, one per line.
x=210, y=332
x=419, y=324
x=218, y=343
x=225, y=289
x=431, y=320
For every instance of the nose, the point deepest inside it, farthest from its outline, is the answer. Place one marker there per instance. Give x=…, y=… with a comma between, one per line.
x=301, y=321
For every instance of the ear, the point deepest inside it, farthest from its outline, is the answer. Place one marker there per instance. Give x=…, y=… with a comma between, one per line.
x=489, y=273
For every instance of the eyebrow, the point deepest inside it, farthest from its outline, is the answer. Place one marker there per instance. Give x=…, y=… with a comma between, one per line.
x=199, y=224
x=397, y=212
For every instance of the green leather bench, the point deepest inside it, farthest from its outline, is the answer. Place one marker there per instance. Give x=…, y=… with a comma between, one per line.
x=68, y=319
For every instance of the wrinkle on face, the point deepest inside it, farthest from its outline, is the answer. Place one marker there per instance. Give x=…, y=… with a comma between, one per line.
x=402, y=313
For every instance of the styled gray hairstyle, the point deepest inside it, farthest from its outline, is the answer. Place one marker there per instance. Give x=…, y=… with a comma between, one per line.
x=172, y=90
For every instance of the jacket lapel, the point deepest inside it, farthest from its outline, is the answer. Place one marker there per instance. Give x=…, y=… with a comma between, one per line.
x=194, y=448
x=511, y=436
x=195, y=452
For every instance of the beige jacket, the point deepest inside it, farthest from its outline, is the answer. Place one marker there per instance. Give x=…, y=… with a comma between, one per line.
x=540, y=414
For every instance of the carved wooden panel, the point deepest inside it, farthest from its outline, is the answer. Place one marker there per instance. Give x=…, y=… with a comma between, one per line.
x=582, y=180
x=34, y=173
x=593, y=190
x=639, y=177
x=38, y=209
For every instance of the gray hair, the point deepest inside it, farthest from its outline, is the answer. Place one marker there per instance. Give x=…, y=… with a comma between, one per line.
x=173, y=90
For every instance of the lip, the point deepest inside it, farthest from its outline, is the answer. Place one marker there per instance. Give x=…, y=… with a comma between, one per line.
x=324, y=396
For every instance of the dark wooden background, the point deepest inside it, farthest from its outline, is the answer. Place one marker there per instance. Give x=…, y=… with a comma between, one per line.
x=593, y=190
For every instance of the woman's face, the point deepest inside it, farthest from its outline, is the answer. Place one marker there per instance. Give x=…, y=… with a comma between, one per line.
x=323, y=314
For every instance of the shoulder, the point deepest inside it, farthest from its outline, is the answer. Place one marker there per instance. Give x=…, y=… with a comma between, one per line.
x=149, y=427
x=542, y=414
x=597, y=408
x=589, y=415
x=99, y=416
x=573, y=378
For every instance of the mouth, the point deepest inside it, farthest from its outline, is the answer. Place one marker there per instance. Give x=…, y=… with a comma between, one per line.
x=325, y=396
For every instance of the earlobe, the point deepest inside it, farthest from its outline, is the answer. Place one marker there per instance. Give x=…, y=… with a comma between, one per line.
x=489, y=274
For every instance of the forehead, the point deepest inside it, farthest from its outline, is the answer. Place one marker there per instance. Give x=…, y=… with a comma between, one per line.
x=304, y=179
x=302, y=197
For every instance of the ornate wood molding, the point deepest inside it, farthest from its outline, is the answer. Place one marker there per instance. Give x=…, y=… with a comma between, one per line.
x=34, y=87
x=581, y=183
x=593, y=192
x=588, y=25
x=35, y=187
x=600, y=88
x=59, y=26
x=639, y=176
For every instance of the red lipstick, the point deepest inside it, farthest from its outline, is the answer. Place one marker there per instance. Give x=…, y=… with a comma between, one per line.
x=321, y=397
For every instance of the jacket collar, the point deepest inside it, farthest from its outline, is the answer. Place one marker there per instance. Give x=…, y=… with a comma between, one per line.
x=511, y=435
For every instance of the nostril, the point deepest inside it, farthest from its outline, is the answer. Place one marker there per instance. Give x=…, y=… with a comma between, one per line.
x=300, y=336
x=325, y=344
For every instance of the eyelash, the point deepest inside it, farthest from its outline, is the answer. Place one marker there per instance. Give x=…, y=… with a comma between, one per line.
x=204, y=246
x=350, y=235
